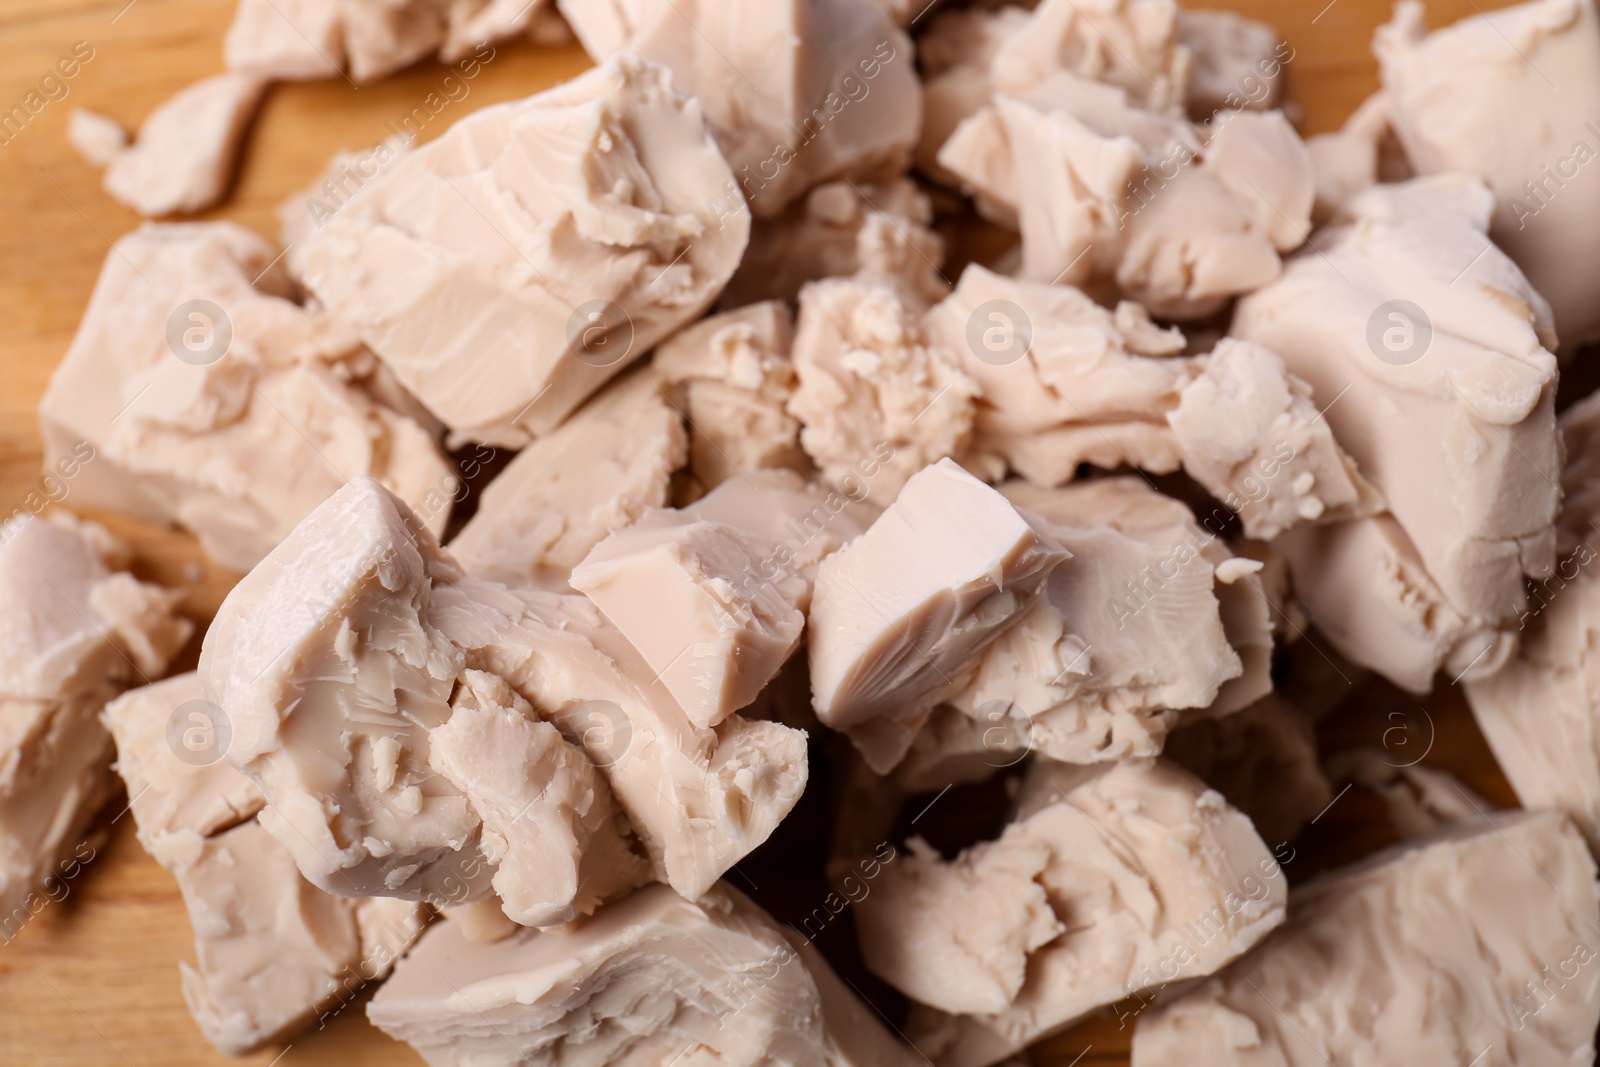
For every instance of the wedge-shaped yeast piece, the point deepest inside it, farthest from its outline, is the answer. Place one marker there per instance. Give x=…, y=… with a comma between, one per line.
x=878, y=231
x=274, y=951
x=170, y=745
x=1236, y=63
x=1478, y=937
x=551, y=828
x=900, y=615
x=644, y=980
x=1263, y=759
x=700, y=800
x=1250, y=434
x=735, y=378
x=879, y=398
x=184, y=156
x=834, y=94
x=208, y=398
x=75, y=632
x=1500, y=97
x=612, y=460
x=1063, y=380
x=679, y=591
x=331, y=675
x=509, y=268
x=1435, y=343
x=1073, y=679
x=1540, y=713
x=1113, y=880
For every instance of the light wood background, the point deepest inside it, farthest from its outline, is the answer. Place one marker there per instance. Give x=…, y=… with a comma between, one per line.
x=93, y=980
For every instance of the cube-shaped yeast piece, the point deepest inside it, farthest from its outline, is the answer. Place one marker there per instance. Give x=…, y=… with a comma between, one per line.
x=705, y=606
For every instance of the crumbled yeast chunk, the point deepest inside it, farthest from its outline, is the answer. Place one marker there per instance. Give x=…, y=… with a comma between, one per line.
x=96, y=138
x=878, y=398
x=171, y=794
x=699, y=799
x=336, y=661
x=798, y=92
x=1501, y=98
x=1073, y=679
x=550, y=825
x=735, y=379
x=1109, y=882
x=76, y=631
x=208, y=398
x=1449, y=414
x=1428, y=953
x=1251, y=436
x=1062, y=380
x=650, y=978
x=186, y=151
x=900, y=614
x=509, y=268
x=608, y=463
x=1104, y=191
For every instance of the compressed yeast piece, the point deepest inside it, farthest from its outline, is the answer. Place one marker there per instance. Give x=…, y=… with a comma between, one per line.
x=1478, y=936
x=900, y=614
x=1499, y=97
x=508, y=269
x=699, y=799
x=1447, y=405
x=682, y=595
x=1116, y=879
x=76, y=631
x=207, y=397
x=609, y=462
x=797, y=91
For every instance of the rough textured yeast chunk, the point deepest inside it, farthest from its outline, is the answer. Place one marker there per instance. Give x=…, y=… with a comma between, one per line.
x=1114, y=880
x=900, y=614
x=1478, y=937
x=207, y=397
x=798, y=91
x=509, y=268
x=649, y=978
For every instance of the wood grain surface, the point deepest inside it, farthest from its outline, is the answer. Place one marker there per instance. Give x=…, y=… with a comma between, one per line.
x=93, y=979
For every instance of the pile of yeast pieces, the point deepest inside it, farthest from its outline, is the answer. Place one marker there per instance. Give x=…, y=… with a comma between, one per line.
x=599, y=465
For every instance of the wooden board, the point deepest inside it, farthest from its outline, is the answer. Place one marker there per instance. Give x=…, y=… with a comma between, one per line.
x=93, y=979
